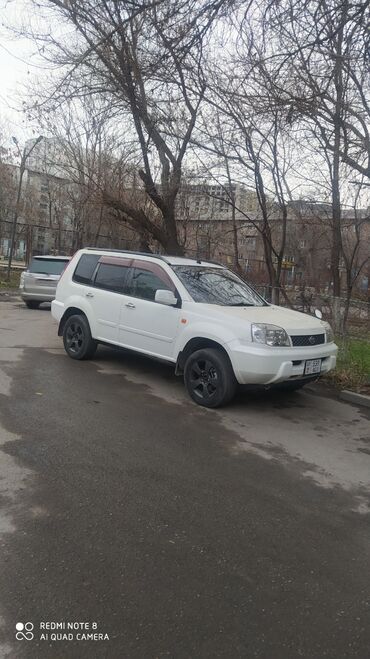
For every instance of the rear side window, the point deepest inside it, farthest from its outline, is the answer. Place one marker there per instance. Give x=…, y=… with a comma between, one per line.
x=86, y=268
x=110, y=277
x=48, y=266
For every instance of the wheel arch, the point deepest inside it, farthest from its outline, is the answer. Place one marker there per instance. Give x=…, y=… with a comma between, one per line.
x=197, y=343
x=71, y=311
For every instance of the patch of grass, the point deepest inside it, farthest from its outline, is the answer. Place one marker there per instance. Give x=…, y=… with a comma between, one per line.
x=14, y=279
x=353, y=364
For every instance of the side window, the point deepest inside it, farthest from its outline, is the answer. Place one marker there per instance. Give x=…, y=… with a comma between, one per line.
x=146, y=279
x=85, y=268
x=110, y=277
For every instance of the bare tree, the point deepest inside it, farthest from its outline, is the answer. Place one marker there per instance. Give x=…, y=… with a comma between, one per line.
x=355, y=243
x=256, y=145
x=311, y=61
x=7, y=186
x=144, y=60
x=319, y=66
x=100, y=165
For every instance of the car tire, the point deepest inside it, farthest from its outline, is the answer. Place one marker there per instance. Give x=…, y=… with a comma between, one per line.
x=209, y=378
x=32, y=304
x=77, y=339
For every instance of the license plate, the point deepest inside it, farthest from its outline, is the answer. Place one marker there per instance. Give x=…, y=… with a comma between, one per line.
x=312, y=366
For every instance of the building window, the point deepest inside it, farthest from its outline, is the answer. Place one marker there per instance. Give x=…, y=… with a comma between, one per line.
x=250, y=242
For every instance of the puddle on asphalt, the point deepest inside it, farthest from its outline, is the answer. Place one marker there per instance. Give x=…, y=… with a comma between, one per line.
x=164, y=389
x=325, y=439
x=5, y=383
x=13, y=479
x=327, y=452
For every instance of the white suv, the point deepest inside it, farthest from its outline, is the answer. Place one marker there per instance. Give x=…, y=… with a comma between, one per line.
x=198, y=315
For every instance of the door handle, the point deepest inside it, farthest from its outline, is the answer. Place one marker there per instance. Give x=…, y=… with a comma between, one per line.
x=89, y=294
x=130, y=305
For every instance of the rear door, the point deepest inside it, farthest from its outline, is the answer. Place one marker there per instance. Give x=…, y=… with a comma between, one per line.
x=105, y=296
x=144, y=324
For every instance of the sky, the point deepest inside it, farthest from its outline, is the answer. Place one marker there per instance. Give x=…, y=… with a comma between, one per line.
x=16, y=66
x=20, y=63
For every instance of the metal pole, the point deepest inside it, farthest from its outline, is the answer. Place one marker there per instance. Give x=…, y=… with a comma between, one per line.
x=15, y=218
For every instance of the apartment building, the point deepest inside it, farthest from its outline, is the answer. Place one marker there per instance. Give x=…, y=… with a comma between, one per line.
x=227, y=226
x=221, y=223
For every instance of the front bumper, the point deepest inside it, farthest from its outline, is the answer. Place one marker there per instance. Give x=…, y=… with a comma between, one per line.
x=254, y=364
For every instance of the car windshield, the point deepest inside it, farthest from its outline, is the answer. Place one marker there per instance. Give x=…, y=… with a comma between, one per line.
x=48, y=266
x=217, y=286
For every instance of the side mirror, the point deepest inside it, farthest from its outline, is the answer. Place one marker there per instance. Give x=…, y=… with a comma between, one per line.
x=318, y=314
x=165, y=297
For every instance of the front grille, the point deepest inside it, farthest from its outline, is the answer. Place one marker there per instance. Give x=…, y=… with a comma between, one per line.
x=308, y=339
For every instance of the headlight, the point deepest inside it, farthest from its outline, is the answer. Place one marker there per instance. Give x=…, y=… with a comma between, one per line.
x=21, y=281
x=329, y=334
x=270, y=335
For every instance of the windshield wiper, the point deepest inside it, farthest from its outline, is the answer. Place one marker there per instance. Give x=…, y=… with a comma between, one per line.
x=241, y=304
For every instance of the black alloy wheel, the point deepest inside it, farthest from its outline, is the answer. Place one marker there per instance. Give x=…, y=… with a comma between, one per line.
x=77, y=339
x=209, y=377
x=74, y=337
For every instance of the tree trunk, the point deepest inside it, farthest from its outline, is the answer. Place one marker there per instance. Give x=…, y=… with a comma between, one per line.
x=29, y=244
x=336, y=209
x=97, y=232
x=337, y=320
x=170, y=241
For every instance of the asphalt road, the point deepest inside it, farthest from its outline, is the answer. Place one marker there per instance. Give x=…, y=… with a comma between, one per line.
x=180, y=532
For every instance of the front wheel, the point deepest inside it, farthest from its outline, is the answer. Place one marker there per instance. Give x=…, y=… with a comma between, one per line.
x=77, y=339
x=209, y=378
x=32, y=304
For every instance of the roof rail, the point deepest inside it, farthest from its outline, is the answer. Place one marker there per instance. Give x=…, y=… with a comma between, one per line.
x=152, y=256
x=127, y=251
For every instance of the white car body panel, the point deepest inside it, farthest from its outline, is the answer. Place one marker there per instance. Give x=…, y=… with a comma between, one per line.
x=105, y=308
x=148, y=327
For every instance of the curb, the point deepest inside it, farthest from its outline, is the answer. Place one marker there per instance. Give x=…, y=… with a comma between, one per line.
x=353, y=397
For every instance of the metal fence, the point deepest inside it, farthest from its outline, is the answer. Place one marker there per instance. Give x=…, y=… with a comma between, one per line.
x=354, y=314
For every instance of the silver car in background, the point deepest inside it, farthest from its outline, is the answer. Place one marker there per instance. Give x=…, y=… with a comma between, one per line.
x=39, y=282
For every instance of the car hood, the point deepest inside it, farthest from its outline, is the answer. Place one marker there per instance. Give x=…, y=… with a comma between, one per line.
x=287, y=318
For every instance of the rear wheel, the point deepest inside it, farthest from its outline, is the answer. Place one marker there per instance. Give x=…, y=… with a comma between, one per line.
x=209, y=377
x=77, y=339
x=32, y=304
